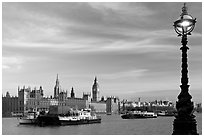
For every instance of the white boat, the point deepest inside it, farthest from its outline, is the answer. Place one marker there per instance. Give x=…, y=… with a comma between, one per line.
x=28, y=118
x=80, y=117
x=166, y=113
x=139, y=114
x=16, y=114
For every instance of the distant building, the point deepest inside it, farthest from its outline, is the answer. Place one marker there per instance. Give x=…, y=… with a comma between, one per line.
x=9, y=105
x=98, y=107
x=95, y=91
x=198, y=107
x=37, y=102
x=23, y=96
x=87, y=96
x=33, y=100
x=62, y=96
x=103, y=105
x=156, y=106
x=72, y=102
x=112, y=105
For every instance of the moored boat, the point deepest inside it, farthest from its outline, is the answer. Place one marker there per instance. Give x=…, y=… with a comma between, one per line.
x=165, y=113
x=74, y=118
x=138, y=115
x=80, y=117
x=28, y=118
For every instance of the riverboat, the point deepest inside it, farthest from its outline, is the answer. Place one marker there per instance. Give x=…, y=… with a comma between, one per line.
x=166, y=113
x=13, y=114
x=138, y=115
x=28, y=118
x=78, y=117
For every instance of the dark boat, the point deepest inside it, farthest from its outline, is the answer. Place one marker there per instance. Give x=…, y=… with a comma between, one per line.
x=48, y=119
x=138, y=115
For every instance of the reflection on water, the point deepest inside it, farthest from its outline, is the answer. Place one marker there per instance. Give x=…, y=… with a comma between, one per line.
x=110, y=125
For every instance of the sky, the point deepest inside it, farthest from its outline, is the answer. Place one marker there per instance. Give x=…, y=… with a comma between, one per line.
x=131, y=48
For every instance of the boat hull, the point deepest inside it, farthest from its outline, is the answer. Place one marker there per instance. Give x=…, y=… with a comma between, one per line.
x=137, y=116
x=166, y=115
x=48, y=120
x=27, y=121
x=54, y=120
x=79, y=122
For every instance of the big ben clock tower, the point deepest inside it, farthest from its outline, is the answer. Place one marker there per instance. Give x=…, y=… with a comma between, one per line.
x=95, y=91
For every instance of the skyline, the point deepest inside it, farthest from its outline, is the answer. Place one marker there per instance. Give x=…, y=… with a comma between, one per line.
x=131, y=48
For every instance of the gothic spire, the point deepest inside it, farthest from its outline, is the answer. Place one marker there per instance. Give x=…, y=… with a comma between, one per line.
x=95, y=81
x=57, y=88
x=57, y=80
x=72, y=93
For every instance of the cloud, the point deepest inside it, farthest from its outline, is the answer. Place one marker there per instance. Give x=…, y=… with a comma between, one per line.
x=123, y=8
x=86, y=27
x=12, y=63
x=5, y=67
x=125, y=74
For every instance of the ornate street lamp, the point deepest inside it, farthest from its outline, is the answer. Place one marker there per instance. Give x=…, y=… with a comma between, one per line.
x=184, y=123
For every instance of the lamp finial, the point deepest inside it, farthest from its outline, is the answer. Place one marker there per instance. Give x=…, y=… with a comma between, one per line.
x=184, y=10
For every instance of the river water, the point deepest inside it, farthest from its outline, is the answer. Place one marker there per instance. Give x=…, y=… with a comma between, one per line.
x=110, y=125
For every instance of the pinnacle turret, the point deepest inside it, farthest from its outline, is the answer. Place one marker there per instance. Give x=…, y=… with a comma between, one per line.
x=56, y=88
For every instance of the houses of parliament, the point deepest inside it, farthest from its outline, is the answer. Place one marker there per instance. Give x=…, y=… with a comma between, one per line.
x=33, y=100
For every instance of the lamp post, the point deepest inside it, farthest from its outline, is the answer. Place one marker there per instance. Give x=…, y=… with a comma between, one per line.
x=184, y=123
